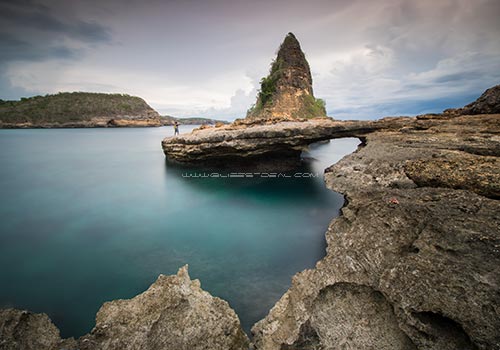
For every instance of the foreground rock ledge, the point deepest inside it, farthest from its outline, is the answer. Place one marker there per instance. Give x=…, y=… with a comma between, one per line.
x=274, y=145
x=414, y=260
x=174, y=313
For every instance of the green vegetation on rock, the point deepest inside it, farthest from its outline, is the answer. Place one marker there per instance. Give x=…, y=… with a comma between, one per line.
x=286, y=92
x=313, y=106
x=268, y=84
x=68, y=107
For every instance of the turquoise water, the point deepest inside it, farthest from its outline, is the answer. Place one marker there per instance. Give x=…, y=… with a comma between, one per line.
x=91, y=215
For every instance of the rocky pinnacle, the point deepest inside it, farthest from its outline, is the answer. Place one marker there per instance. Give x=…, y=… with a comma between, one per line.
x=287, y=93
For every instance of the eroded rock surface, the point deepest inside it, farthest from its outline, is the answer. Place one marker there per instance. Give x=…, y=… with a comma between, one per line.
x=419, y=241
x=487, y=103
x=174, y=313
x=270, y=143
x=287, y=93
x=23, y=330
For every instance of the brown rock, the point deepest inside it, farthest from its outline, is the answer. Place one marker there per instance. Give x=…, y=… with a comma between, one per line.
x=23, y=330
x=286, y=93
x=423, y=273
x=487, y=103
x=174, y=313
x=273, y=146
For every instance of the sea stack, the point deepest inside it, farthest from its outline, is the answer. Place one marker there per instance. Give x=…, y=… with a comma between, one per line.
x=287, y=93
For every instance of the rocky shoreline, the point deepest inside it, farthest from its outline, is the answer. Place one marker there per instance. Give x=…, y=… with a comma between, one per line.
x=174, y=313
x=273, y=145
x=413, y=262
x=92, y=123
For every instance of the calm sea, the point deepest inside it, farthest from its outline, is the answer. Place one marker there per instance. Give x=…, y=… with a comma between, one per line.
x=92, y=215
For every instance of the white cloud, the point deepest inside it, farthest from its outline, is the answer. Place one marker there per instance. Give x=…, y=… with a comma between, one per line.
x=367, y=58
x=157, y=90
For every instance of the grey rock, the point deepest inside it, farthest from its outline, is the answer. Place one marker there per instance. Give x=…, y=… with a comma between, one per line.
x=278, y=145
x=424, y=254
x=487, y=103
x=174, y=313
x=23, y=330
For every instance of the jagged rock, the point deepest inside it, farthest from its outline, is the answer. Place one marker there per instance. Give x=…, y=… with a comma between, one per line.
x=487, y=103
x=286, y=93
x=174, y=313
x=423, y=261
x=23, y=330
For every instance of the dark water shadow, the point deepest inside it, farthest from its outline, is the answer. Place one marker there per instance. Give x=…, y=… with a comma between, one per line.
x=302, y=183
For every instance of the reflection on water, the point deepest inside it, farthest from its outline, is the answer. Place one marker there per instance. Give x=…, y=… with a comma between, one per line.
x=90, y=215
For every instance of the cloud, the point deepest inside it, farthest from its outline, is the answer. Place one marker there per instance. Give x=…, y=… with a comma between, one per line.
x=239, y=104
x=188, y=58
x=14, y=49
x=39, y=19
x=376, y=90
x=31, y=32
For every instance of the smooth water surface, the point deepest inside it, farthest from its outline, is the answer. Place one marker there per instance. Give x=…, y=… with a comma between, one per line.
x=92, y=215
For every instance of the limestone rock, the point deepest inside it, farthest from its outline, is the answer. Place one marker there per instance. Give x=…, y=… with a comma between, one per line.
x=23, y=330
x=286, y=93
x=273, y=146
x=487, y=103
x=174, y=313
x=409, y=264
x=351, y=316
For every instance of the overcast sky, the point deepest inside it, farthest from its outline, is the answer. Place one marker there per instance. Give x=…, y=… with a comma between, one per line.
x=205, y=57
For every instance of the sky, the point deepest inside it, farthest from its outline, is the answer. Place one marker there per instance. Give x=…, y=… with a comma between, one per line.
x=192, y=58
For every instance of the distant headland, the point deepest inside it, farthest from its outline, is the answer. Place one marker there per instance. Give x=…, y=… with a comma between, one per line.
x=85, y=110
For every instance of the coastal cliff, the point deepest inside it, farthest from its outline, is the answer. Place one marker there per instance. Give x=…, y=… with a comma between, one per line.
x=78, y=110
x=413, y=262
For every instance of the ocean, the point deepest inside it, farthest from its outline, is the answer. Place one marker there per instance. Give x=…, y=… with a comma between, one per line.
x=92, y=215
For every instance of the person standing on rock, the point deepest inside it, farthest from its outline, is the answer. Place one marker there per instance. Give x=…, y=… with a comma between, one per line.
x=176, y=128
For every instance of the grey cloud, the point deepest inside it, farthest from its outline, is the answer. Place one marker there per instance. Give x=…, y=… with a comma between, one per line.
x=14, y=49
x=414, y=48
x=457, y=77
x=31, y=31
x=14, y=15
